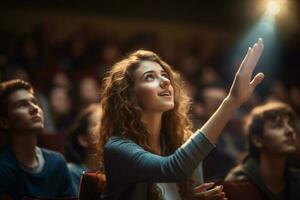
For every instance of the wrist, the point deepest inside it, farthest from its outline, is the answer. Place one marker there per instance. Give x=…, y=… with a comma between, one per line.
x=231, y=103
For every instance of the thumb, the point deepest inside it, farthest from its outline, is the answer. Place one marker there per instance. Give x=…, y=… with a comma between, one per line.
x=203, y=187
x=257, y=80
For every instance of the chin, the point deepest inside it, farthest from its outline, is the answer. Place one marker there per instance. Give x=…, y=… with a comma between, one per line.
x=168, y=107
x=289, y=151
x=37, y=128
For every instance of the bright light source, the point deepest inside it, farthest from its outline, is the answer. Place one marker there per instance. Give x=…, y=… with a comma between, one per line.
x=273, y=7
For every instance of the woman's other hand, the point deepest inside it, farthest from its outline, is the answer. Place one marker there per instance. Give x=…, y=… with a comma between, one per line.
x=206, y=191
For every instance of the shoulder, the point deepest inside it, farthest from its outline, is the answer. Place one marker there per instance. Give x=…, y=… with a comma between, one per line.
x=10, y=171
x=54, y=160
x=119, y=144
x=118, y=149
x=237, y=173
x=7, y=160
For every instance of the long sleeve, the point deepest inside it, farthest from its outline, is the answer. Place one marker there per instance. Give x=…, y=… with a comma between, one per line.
x=126, y=162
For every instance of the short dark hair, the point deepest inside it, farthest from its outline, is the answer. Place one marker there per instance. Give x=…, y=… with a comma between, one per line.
x=8, y=87
x=257, y=118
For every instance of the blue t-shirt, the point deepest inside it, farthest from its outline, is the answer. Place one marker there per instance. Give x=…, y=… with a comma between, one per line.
x=53, y=180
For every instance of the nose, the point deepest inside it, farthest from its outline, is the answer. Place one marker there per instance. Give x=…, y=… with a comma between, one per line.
x=165, y=82
x=33, y=109
x=289, y=129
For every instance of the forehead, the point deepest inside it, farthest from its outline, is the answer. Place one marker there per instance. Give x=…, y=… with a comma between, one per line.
x=279, y=119
x=146, y=66
x=19, y=95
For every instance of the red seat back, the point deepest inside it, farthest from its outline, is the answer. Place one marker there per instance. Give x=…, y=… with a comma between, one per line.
x=91, y=185
x=46, y=198
x=53, y=142
x=244, y=190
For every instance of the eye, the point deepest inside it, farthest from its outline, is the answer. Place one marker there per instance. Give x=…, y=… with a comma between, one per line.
x=149, y=77
x=165, y=75
x=21, y=104
x=277, y=125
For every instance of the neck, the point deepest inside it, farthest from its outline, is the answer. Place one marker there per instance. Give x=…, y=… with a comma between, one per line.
x=23, y=145
x=272, y=171
x=152, y=123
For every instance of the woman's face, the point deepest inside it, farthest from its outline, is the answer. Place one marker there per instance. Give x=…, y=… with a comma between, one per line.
x=152, y=88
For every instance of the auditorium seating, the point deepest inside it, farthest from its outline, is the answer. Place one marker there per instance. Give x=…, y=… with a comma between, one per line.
x=46, y=198
x=53, y=141
x=91, y=186
x=241, y=190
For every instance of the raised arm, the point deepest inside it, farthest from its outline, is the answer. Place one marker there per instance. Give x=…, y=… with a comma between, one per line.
x=240, y=91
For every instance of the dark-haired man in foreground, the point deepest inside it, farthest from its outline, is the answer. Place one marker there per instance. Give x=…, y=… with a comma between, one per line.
x=25, y=169
x=271, y=139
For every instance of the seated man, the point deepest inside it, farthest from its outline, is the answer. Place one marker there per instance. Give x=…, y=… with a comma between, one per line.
x=25, y=169
x=271, y=138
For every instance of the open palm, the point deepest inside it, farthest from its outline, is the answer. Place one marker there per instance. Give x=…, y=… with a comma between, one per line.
x=243, y=84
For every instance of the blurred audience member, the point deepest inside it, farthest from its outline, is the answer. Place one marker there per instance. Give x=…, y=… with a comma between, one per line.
x=294, y=92
x=271, y=138
x=88, y=91
x=277, y=92
x=62, y=80
x=27, y=54
x=25, y=169
x=61, y=108
x=80, y=146
x=209, y=76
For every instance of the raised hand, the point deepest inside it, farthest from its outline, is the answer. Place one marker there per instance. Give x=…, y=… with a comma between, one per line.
x=206, y=191
x=242, y=86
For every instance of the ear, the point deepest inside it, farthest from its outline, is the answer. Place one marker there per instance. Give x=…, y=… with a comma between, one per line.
x=257, y=141
x=83, y=141
x=3, y=123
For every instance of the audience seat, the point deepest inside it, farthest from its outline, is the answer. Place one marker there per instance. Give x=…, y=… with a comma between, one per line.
x=45, y=198
x=241, y=190
x=91, y=185
x=53, y=142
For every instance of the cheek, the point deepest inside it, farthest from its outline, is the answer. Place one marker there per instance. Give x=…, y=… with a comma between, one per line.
x=18, y=119
x=41, y=113
x=274, y=140
x=145, y=94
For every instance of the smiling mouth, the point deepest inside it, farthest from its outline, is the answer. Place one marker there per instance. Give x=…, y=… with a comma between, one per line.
x=165, y=94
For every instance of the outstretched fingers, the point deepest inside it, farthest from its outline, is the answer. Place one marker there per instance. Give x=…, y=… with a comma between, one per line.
x=252, y=57
x=256, y=53
x=257, y=80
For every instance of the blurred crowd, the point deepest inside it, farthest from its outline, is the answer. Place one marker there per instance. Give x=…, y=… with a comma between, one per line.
x=66, y=75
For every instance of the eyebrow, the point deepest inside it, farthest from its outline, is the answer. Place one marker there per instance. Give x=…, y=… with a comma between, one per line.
x=151, y=71
x=25, y=100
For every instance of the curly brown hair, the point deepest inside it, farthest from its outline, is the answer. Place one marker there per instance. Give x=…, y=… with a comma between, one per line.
x=122, y=113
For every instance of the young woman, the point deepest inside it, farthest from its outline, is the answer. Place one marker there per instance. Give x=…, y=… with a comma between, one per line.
x=146, y=143
x=80, y=146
